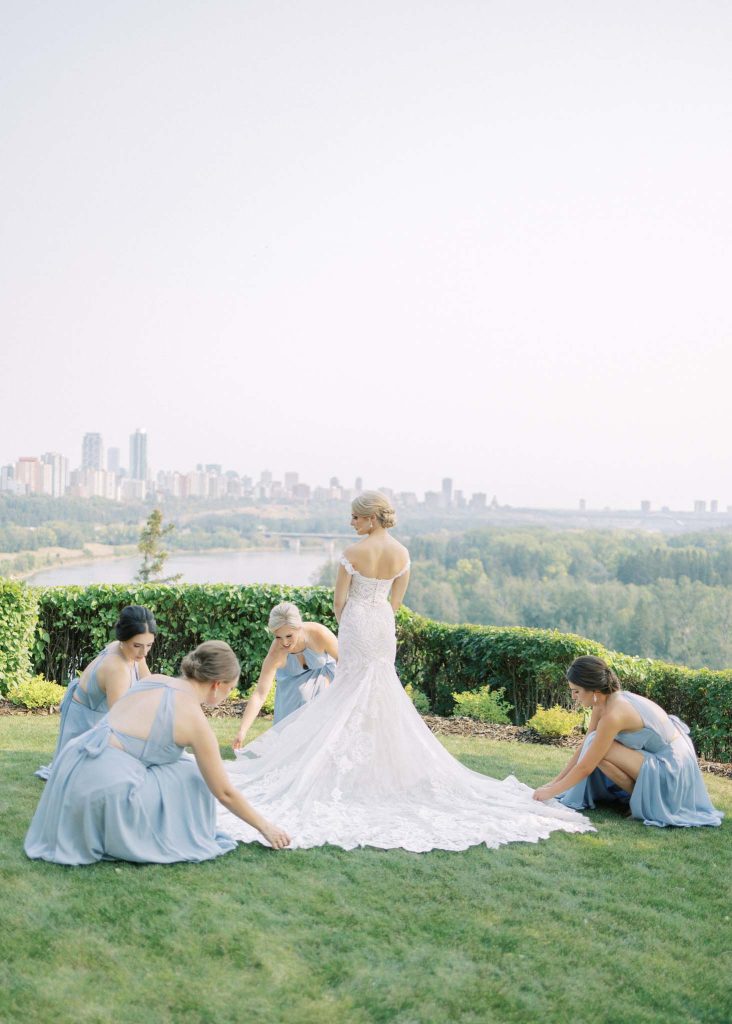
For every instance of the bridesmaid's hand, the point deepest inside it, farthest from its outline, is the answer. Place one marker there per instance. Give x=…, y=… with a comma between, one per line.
x=276, y=836
x=542, y=793
x=238, y=741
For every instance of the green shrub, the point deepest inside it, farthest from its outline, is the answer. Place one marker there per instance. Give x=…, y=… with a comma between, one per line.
x=555, y=722
x=18, y=619
x=418, y=698
x=485, y=705
x=439, y=659
x=442, y=658
x=77, y=622
x=36, y=692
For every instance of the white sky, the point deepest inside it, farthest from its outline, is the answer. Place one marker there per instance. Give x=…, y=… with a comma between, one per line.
x=401, y=240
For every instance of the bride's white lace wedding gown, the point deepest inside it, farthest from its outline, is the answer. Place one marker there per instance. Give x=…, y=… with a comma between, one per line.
x=358, y=766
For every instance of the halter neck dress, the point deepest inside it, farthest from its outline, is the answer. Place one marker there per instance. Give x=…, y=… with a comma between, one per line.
x=669, y=789
x=297, y=685
x=146, y=803
x=79, y=715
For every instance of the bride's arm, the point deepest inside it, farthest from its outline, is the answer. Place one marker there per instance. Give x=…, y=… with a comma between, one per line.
x=343, y=583
x=398, y=590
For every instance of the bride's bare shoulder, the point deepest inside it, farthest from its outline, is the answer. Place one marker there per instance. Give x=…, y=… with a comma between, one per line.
x=355, y=551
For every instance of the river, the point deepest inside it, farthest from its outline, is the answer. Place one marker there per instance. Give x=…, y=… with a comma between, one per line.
x=285, y=567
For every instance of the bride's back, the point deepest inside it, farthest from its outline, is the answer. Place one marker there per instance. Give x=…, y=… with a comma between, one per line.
x=380, y=558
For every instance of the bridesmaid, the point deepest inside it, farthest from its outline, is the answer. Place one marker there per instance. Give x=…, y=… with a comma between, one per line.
x=123, y=790
x=302, y=657
x=633, y=753
x=107, y=678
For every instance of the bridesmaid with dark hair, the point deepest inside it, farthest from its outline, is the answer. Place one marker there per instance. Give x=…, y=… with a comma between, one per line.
x=107, y=678
x=634, y=753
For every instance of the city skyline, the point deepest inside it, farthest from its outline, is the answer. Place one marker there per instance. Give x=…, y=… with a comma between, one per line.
x=485, y=237
x=100, y=474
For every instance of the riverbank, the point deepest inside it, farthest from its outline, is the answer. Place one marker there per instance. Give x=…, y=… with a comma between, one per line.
x=243, y=565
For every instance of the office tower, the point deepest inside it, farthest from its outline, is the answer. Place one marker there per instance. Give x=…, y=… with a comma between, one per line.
x=138, y=454
x=359, y=484
x=29, y=473
x=91, y=451
x=113, y=455
x=447, y=491
x=59, y=472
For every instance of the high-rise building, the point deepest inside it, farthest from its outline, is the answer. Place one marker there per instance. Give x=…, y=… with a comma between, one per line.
x=358, y=486
x=700, y=506
x=59, y=472
x=113, y=456
x=291, y=481
x=92, y=452
x=33, y=476
x=645, y=507
x=447, y=491
x=138, y=454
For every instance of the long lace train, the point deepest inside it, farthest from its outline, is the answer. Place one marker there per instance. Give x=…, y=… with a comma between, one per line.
x=358, y=767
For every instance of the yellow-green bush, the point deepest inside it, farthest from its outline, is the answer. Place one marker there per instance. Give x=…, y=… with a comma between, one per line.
x=418, y=698
x=36, y=692
x=485, y=705
x=555, y=721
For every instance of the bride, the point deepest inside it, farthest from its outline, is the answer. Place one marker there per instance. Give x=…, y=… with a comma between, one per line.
x=358, y=767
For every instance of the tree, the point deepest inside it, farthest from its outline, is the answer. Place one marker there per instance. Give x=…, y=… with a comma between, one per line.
x=153, y=553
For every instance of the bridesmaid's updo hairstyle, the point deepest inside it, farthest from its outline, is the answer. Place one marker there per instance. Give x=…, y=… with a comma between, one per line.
x=133, y=620
x=212, y=661
x=593, y=673
x=284, y=614
x=376, y=504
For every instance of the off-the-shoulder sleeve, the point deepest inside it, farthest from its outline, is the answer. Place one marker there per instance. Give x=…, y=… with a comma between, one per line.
x=347, y=565
x=406, y=568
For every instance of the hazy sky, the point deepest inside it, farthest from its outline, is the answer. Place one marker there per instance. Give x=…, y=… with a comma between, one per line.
x=400, y=240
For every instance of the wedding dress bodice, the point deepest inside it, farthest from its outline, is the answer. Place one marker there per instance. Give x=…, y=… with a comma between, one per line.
x=369, y=589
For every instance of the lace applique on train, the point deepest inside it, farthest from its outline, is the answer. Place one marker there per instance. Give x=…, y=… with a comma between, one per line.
x=358, y=766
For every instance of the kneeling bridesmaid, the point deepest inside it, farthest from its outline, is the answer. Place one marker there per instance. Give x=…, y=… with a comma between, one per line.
x=106, y=678
x=634, y=753
x=123, y=790
x=302, y=658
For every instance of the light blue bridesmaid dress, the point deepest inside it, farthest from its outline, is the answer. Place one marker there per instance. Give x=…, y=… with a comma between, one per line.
x=669, y=789
x=145, y=803
x=297, y=685
x=79, y=715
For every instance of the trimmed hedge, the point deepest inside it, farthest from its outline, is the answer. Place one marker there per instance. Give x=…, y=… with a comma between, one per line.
x=437, y=658
x=18, y=618
x=75, y=623
x=440, y=659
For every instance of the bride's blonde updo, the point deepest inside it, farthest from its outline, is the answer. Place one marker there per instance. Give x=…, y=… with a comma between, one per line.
x=284, y=614
x=376, y=504
x=212, y=661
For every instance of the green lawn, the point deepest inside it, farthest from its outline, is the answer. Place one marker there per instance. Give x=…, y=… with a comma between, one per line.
x=631, y=924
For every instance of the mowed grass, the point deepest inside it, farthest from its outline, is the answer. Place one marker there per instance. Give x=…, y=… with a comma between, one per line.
x=631, y=924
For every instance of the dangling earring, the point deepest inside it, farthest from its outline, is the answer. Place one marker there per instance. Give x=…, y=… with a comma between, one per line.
x=594, y=698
